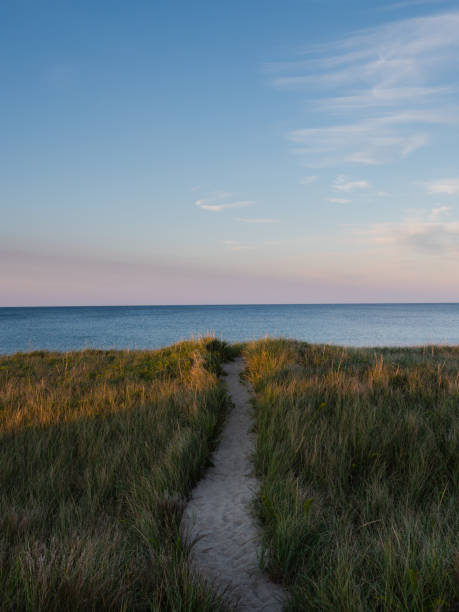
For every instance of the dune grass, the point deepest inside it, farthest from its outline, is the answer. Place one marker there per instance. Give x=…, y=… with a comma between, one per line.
x=358, y=453
x=98, y=450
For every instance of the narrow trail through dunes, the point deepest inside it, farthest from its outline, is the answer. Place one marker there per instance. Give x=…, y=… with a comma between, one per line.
x=219, y=517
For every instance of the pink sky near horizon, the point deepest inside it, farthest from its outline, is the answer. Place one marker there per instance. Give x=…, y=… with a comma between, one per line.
x=51, y=280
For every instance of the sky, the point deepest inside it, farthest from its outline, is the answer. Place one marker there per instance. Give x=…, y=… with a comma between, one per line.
x=252, y=151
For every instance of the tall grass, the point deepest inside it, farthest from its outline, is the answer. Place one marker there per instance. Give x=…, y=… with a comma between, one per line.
x=358, y=451
x=98, y=450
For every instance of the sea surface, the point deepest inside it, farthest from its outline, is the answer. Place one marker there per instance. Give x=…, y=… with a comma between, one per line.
x=143, y=327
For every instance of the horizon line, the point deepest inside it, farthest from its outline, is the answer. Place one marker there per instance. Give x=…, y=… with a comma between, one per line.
x=372, y=303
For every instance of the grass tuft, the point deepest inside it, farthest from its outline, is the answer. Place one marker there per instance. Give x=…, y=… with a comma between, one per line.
x=99, y=450
x=358, y=452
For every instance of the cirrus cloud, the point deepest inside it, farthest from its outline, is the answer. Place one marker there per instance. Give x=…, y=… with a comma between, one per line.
x=221, y=200
x=339, y=201
x=341, y=184
x=399, y=74
x=255, y=220
x=448, y=186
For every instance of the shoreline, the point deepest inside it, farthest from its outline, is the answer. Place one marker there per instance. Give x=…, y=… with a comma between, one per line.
x=376, y=347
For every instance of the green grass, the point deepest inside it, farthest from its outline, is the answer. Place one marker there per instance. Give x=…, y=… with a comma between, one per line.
x=98, y=451
x=357, y=450
x=358, y=453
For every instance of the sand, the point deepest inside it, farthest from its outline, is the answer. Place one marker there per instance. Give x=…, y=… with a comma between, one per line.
x=219, y=516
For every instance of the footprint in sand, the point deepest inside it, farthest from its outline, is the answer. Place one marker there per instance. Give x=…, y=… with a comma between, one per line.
x=218, y=517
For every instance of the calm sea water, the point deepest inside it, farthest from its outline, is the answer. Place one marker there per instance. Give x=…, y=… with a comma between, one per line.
x=24, y=329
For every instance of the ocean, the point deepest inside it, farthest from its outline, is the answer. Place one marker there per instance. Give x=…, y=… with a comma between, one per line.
x=146, y=327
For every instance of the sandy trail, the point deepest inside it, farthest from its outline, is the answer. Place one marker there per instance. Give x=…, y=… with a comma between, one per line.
x=219, y=512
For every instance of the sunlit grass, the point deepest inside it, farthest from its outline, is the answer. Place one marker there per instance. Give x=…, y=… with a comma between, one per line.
x=98, y=451
x=358, y=452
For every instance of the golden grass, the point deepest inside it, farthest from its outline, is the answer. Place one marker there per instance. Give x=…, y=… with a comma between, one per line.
x=98, y=450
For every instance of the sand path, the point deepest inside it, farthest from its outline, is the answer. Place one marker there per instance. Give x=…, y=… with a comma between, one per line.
x=219, y=515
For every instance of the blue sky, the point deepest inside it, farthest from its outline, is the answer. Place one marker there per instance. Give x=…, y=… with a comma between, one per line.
x=229, y=152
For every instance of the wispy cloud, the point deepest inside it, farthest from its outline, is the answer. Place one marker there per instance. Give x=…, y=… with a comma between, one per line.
x=425, y=233
x=341, y=184
x=219, y=207
x=431, y=237
x=255, y=220
x=411, y=4
x=439, y=211
x=235, y=245
x=398, y=75
x=399, y=54
x=448, y=186
x=339, y=201
x=368, y=142
x=221, y=200
x=382, y=97
x=308, y=180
